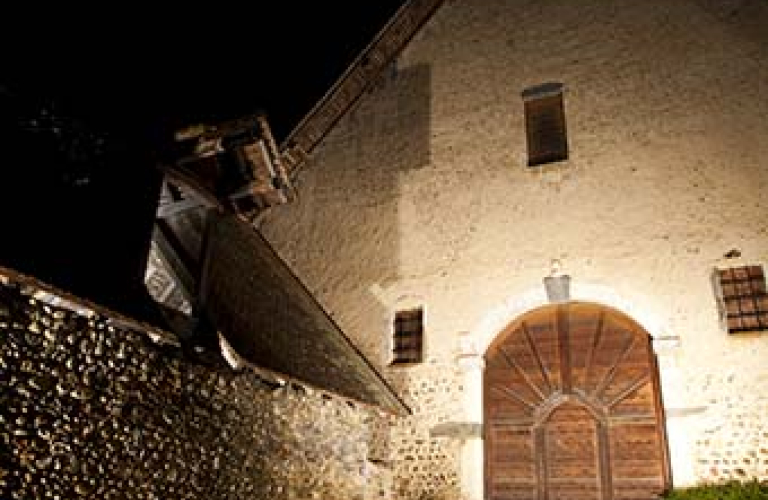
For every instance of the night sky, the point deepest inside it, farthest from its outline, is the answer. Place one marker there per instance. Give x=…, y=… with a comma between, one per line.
x=137, y=68
x=88, y=97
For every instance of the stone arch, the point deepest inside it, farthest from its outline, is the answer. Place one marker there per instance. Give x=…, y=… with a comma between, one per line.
x=638, y=306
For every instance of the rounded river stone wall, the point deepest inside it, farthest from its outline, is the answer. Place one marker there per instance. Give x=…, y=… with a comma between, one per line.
x=90, y=410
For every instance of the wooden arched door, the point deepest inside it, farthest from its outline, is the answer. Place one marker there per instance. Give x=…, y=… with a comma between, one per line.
x=572, y=408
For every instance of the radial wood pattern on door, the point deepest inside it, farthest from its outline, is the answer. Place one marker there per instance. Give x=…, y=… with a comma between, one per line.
x=572, y=408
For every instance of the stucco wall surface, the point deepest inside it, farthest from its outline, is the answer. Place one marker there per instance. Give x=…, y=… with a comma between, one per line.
x=421, y=196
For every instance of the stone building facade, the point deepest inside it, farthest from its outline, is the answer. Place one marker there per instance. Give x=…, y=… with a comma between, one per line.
x=422, y=197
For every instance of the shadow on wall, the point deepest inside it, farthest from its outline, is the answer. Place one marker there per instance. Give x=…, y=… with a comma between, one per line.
x=391, y=130
x=343, y=233
x=744, y=19
x=344, y=239
x=395, y=119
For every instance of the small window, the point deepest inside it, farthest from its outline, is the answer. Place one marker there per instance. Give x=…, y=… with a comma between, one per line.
x=545, y=124
x=408, y=336
x=743, y=298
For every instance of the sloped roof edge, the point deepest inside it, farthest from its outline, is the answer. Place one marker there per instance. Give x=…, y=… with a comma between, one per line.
x=272, y=321
x=359, y=76
x=47, y=293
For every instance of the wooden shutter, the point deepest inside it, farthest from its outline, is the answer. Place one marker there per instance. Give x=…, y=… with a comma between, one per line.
x=545, y=124
x=408, y=336
x=744, y=298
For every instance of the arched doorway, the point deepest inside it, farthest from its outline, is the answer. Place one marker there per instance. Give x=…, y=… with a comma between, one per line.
x=572, y=408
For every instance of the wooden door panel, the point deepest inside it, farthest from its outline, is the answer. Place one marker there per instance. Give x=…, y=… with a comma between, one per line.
x=546, y=352
x=512, y=491
x=516, y=387
x=523, y=354
x=572, y=408
x=514, y=455
x=570, y=447
x=583, y=335
x=608, y=356
x=574, y=491
x=635, y=452
x=637, y=489
x=508, y=411
x=626, y=381
x=639, y=403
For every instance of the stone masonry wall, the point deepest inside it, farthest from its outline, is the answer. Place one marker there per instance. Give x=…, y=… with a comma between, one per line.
x=90, y=410
x=424, y=463
x=421, y=195
x=732, y=435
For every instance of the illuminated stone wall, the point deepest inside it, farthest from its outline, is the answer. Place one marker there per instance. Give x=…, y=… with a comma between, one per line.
x=421, y=196
x=732, y=433
x=90, y=410
x=424, y=460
